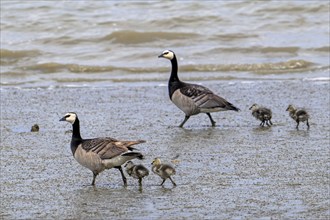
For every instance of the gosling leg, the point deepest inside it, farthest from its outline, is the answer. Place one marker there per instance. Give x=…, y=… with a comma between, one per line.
x=162, y=182
x=184, y=121
x=270, y=122
x=140, y=181
x=174, y=184
x=211, y=119
x=297, y=124
x=122, y=175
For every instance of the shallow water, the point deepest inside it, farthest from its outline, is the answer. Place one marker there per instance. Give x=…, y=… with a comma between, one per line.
x=47, y=43
x=235, y=170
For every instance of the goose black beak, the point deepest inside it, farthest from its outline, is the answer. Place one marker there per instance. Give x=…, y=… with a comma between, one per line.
x=62, y=119
x=160, y=56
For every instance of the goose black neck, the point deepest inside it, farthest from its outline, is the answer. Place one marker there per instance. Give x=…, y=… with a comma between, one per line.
x=76, y=138
x=174, y=81
x=174, y=73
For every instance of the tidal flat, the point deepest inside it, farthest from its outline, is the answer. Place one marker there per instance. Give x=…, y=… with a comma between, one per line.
x=236, y=170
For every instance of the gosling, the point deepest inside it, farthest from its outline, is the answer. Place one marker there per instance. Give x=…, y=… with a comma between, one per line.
x=99, y=154
x=165, y=171
x=136, y=171
x=299, y=115
x=263, y=114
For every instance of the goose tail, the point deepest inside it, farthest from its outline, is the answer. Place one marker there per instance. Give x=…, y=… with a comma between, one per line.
x=133, y=155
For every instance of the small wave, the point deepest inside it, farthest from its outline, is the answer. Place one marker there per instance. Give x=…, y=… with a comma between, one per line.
x=280, y=67
x=250, y=50
x=75, y=68
x=15, y=54
x=134, y=37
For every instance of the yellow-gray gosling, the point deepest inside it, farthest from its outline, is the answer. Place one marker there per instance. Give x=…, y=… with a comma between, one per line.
x=263, y=114
x=137, y=171
x=193, y=99
x=299, y=115
x=99, y=154
x=165, y=171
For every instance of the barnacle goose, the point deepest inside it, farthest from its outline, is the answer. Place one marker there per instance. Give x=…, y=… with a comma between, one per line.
x=98, y=154
x=193, y=99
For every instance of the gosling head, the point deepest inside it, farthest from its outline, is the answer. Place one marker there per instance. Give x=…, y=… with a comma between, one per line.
x=254, y=107
x=69, y=117
x=156, y=162
x=168, y=54
x=291, y=108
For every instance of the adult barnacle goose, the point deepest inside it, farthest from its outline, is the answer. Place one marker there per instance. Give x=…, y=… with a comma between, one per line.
x=165, y=171
x=99, y=154
x=263, y=114
x=193, y=99
x=137, y=171
x=299, y=115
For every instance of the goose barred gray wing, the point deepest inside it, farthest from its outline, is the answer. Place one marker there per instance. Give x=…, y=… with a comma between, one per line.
x=205, y=99
x=108, y=148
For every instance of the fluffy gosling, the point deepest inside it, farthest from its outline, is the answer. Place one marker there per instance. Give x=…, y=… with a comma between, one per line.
x=136, y=171
x=165, y=171
x=263, y=114
x=299, y=115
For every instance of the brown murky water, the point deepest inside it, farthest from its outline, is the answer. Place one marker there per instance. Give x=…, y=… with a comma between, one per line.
x=233, y=171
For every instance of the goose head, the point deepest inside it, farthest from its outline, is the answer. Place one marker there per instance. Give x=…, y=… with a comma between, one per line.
x=168, y=54
x=156, y=162
x=69, y=117
x=254, y=107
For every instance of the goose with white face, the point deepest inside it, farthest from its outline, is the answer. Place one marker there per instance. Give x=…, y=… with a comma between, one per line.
x=168, y=54
x=69, y=117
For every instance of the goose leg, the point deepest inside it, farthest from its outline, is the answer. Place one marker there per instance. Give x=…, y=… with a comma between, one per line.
x=122, y=175
x=211, y=119
x=174, y=184
x=184, y=121
x=94, y=177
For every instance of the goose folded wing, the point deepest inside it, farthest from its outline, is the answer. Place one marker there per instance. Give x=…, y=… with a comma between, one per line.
x=203, y=97
x=193, y=90
x=106, y=148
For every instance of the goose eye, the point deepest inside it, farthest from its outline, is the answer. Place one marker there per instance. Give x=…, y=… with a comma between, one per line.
x=165, y=53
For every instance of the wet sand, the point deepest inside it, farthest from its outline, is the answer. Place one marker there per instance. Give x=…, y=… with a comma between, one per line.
x=235, y=170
